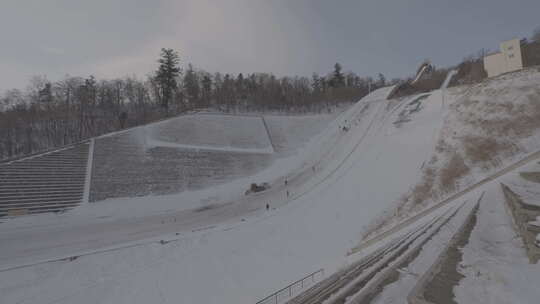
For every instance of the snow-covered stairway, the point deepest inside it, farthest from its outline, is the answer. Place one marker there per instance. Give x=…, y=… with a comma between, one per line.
x=436, y=284
x=357, y=283
x=524, y=215
x=49, y=182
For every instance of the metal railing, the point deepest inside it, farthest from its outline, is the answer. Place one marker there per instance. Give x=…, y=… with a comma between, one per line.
x=293, y=289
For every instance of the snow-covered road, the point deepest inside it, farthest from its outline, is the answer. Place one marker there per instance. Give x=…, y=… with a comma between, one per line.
x=39, y=243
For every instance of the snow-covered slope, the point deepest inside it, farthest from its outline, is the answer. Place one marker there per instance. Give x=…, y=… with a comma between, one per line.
x=484, y=128
x=211, y=131
x=345, y=179
x=194, y=152
x=235, y=251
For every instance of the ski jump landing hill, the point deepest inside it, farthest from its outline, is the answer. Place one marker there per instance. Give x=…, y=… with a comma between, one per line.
x=337, y=182
x=230, y=249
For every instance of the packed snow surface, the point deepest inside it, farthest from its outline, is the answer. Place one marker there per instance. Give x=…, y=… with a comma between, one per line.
x=212, y=131
x=289, y=133
x=495, y=265
x=448, y=78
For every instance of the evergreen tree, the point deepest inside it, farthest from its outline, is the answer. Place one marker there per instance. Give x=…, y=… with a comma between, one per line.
x=191, y=85
x=338, y=79
x=166, y=75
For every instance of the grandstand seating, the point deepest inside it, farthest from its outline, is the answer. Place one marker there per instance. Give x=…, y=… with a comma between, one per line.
x=49, y=182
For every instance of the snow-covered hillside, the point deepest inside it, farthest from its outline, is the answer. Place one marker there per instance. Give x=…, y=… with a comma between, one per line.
x=330, y=198
x=194, y=152
x=375, y=156
x=217, y=132
x=485, y=127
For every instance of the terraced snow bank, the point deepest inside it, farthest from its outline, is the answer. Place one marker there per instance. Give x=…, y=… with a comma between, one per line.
x=126, y=165
x=195, y=152
x=289, y=133
x=233, y=133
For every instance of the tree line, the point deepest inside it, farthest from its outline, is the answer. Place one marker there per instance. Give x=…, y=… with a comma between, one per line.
x=52, y=114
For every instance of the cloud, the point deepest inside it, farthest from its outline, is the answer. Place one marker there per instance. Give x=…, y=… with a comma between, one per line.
x=139, y=62
x=124, y=37
x=238, y=35
x=13, y=76
x=53, y=50
x=226, y=36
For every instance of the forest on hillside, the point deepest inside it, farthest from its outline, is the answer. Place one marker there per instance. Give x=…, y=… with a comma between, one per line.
x=52, y=114
x=49, y=114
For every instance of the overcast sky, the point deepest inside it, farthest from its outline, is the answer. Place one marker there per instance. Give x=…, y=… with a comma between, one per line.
x=114, y=38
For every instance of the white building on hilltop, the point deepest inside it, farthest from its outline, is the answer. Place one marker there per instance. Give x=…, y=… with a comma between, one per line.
x=507, y=60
